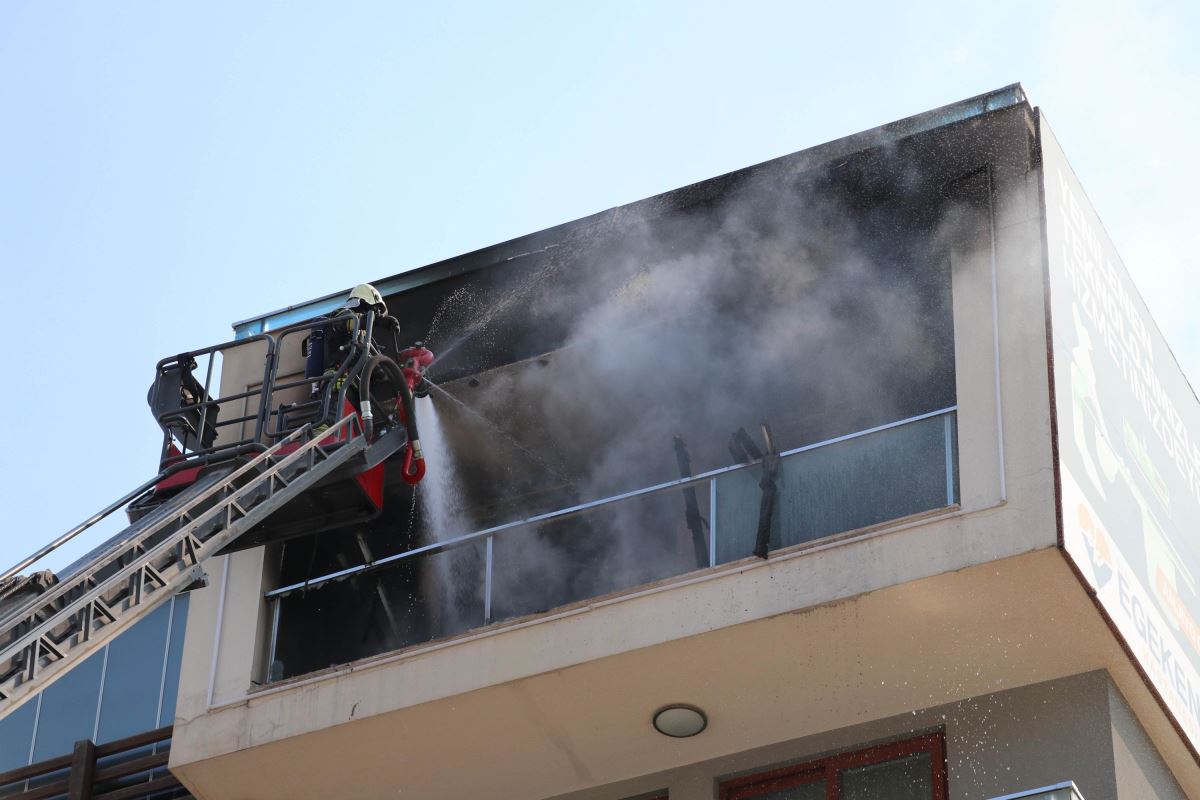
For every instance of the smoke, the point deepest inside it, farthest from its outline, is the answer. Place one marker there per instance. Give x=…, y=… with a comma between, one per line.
x=817, y=303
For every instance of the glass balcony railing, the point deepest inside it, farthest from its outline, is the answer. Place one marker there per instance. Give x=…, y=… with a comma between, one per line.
x=1059, y=791
x=852, y=482
x=616, y=543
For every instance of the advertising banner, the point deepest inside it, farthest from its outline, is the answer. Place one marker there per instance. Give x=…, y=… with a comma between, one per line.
x=1129, y=455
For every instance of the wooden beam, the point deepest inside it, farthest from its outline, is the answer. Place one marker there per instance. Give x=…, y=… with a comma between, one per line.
x=83, y=766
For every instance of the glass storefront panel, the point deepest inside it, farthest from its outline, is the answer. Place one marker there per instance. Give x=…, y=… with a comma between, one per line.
x=179, y=609
x=129, y=701
x=909, y=778
x=69, y=709
x=805, y=791
x=16, y=732
x=115, y=693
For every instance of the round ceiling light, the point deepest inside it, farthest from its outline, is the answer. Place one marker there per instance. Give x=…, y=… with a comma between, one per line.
x=680, y=721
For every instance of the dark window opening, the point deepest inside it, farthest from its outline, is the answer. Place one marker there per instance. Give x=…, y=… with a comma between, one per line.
x=914, y=769
x=575, y=370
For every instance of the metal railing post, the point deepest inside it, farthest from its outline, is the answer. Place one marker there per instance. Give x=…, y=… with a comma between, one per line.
x=712, y=522
x=206, y=395
x=274, y=641
x=948, y=432
x=268, y=388
x=487, y=581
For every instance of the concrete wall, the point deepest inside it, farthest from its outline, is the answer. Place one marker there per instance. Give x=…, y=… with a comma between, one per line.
x=1000, y=339
x=224, y=653
x=1140, y=770
x=563, y=703
x=996, y=744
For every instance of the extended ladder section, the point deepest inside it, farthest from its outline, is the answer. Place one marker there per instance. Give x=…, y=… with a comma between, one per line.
x=157, y=558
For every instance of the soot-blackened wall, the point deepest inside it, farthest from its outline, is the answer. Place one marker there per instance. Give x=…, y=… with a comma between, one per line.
x=814, y=298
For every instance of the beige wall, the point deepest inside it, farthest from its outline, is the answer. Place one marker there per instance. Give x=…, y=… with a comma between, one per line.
x=220, y=711
x=1025, y=525
x=860, y=628
x=241, y=369
x=410, y=722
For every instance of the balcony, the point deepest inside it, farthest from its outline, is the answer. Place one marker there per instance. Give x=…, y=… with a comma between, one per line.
x=614, y=544
x=588, y=579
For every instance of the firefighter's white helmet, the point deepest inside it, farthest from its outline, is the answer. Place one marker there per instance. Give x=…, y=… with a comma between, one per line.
x=367, y=294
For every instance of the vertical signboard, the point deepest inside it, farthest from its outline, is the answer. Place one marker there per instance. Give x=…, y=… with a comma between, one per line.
x=1129, y=447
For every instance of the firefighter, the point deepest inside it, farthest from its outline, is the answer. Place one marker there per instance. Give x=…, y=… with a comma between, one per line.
x=363, y=297
x=327, y=343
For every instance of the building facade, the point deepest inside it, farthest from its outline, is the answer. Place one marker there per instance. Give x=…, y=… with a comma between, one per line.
x=866, y=462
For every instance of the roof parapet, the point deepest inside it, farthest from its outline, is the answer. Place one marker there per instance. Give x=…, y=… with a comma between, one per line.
x=1005, y=97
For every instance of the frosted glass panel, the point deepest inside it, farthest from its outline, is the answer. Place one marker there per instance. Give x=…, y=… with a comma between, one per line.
x=841, y=487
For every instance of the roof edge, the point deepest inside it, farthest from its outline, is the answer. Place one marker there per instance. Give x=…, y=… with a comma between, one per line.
x=1004, y=97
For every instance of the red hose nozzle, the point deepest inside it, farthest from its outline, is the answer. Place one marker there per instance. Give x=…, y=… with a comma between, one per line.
x=415, y=360
x=413, y=468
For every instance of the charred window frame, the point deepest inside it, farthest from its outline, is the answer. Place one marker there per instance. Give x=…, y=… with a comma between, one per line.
x=829, y=773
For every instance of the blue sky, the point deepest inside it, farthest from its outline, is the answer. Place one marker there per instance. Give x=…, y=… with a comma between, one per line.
x=167, y=169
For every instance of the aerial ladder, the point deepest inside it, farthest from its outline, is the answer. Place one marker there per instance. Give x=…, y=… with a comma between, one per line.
x=277, y=451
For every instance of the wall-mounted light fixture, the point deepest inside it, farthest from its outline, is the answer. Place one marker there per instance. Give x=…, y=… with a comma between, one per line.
x=680, y=721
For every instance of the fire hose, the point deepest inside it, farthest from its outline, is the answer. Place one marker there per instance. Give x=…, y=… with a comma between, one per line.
x=413, y=468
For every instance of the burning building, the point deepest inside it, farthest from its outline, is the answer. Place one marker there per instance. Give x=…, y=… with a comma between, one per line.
x=858, y=473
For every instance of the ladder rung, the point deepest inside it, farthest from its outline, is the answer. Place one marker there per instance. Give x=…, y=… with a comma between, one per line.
x=48, y=648
x=104, y=609
x=190, y=549
x=149, y=570
x=124, y=584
